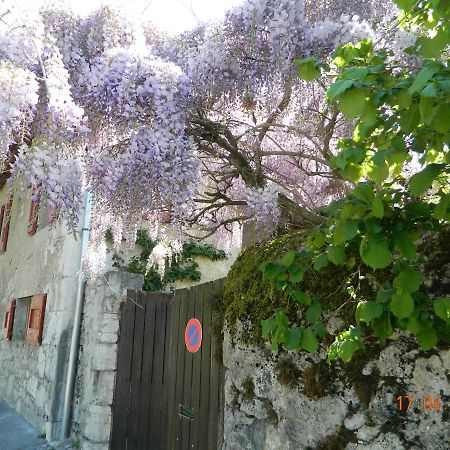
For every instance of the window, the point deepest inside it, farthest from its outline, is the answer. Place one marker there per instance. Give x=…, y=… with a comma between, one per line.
x=5, y=216
x=24, y=319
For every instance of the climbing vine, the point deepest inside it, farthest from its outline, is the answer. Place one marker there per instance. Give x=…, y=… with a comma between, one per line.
x=182, y=267
x=396, y=164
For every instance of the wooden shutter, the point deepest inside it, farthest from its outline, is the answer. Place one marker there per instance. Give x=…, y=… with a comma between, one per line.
x=9, y=320
x=5, y=225
x=34, y=209
x=52, y=213
x=35, y=323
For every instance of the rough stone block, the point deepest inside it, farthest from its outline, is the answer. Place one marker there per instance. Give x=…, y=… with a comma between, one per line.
x=108, y=328
x=87, y=445
x=104, y=357
x=105, y=387
x=98, y=423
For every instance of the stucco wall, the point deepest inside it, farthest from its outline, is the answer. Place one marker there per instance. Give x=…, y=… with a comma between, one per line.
x=32, y=377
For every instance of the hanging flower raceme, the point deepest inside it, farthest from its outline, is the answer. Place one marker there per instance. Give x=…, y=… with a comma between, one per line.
x=60, y=179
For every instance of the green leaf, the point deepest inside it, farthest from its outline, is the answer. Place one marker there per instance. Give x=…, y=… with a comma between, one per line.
x=282, y=319
x=378, y=172
x=348, y=347
x=418, y=210
x=309, y=68
x=408, y=280
x=403, y=99
x=414, y=325
x=293, y=338
x=288, y=259
x=422, y=78
x=297, y=276
x=271, y=270
x=409, y=119
x=364, y=191
x=336, y=254
x=405, y=245
x=375, y=252
x=432, y=47
x=405, y=4
x=268, y=327
x=382, y=326
x=320, y=329
x=367, y=311
x=301, y=297
x=441, y=210
x=345, y=345
x=345, y=231
x=355, y=73
x=422, y=181
x=309, y=341
x=384, y=295
x=402, y=305
x=427, y=339
x=427, y=112
x=313, y=313
x=353, y=102
x=442, y=119
x=321, y=261
x=441, y=308
x=338, y=88
x=378, y=207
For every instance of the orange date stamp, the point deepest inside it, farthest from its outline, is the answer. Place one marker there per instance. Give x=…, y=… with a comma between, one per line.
x=427, y=402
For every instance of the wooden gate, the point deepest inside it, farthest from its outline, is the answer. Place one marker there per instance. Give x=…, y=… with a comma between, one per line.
x=166, y=397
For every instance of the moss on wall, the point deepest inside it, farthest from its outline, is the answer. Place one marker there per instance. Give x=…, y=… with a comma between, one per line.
x=247, y=296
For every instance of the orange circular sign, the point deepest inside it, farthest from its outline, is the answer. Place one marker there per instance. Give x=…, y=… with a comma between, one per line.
x=193, y=335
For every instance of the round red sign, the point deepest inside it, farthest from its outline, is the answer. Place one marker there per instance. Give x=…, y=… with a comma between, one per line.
x=193, y=335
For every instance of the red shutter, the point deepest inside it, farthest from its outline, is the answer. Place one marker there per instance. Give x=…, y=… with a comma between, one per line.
x=33, y=216
x=5, y=226
x=9, y=320
x=2, y=214
x=36, y=315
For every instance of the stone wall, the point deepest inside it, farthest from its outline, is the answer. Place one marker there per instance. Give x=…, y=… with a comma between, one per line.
x=98, y=358
x=298, y=401
x=32, y=377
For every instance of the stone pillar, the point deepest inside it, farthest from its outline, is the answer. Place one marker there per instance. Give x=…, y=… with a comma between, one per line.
x=98, y=357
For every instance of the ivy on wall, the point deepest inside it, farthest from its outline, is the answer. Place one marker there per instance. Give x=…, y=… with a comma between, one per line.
x=184, y=267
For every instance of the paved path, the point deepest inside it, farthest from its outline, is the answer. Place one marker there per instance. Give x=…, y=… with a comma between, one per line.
x=17, y=434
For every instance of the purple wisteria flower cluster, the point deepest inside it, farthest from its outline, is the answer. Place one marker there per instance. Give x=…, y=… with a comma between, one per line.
x=143, y=120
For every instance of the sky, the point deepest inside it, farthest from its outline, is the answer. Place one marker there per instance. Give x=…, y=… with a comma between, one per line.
x=171, y=16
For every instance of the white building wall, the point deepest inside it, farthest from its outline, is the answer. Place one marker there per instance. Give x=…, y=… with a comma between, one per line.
x=32, y=377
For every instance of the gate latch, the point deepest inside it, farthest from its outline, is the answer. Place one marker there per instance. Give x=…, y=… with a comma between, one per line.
x=188, y=413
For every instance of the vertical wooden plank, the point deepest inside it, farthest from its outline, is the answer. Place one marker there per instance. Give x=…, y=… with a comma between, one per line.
x=147, y=365
x=194, y=425
x=205, y=372
x=122, y=387
x=213, y=386
x=155, y=437
x=136, y=371
x=188, y=366
x=166, y=369
x=181, y=297
x=173, y=350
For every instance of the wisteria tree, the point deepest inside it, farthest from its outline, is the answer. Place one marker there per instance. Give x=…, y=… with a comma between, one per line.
x=214, y=125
